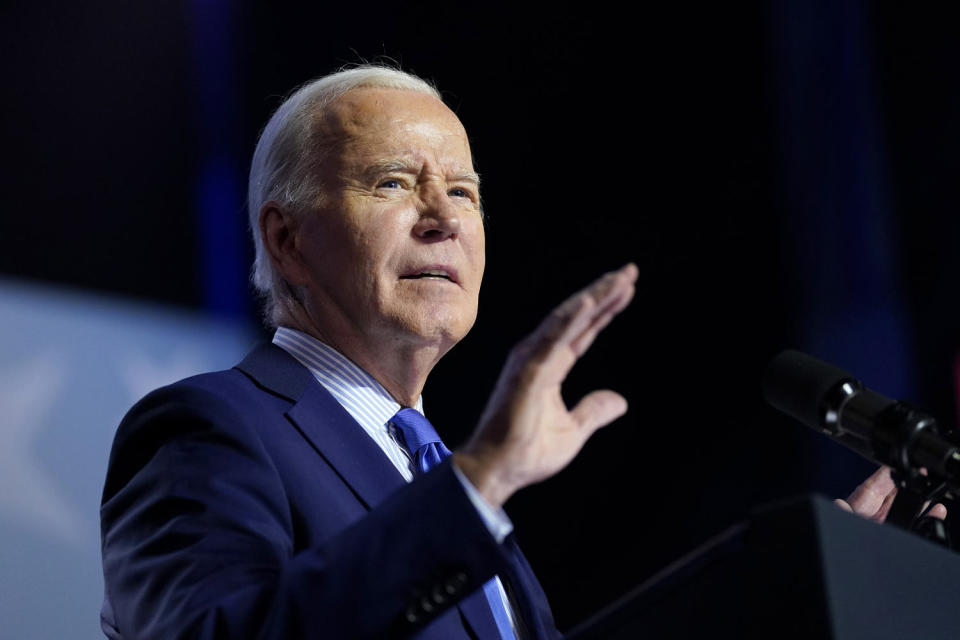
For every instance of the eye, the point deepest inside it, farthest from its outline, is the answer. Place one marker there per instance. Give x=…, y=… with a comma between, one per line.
x=390, y=183
x=459, y=192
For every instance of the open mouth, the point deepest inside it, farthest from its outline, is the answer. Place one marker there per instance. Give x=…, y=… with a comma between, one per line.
x=435, y=274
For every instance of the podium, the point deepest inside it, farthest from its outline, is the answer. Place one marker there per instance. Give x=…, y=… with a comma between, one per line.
x=800, y=569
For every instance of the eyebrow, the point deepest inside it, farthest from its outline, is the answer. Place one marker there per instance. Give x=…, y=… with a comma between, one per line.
x=403, y=166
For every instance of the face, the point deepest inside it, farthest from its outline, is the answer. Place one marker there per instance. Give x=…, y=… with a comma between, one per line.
x=394, y=252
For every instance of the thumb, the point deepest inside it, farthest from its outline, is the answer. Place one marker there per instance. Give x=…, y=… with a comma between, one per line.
x=598, y=409
x=843, y=504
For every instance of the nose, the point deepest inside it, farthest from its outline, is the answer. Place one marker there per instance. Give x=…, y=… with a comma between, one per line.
x=439, y=217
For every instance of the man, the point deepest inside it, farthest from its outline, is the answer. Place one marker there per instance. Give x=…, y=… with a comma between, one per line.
x=269, y=500
x=299, y=495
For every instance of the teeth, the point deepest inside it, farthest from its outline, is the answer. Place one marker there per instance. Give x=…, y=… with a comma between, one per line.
x=434, y=273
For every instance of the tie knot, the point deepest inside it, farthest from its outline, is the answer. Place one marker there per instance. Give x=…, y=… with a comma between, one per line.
x=421, y=439
x=416, y=429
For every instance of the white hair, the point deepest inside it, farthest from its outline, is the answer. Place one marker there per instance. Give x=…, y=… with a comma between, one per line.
x=284, y=167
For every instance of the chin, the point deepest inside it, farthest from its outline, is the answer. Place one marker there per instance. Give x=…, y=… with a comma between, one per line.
x=439, y=329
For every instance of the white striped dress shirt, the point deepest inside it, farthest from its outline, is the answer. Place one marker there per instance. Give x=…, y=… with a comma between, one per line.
x=372, y=407
x=356, y=390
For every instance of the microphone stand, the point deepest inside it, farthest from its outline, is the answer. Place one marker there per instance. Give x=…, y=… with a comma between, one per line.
x=899, y=430
x=885, y=431
x=916, y=495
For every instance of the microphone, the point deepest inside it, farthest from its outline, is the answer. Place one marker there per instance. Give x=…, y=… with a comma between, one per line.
x=885, y=431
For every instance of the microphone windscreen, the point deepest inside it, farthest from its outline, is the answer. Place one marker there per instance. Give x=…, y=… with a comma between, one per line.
x=796, y=384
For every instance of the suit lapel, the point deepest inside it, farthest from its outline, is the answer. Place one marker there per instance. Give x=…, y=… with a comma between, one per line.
x=326, y=425
x=345, y=445
x=336, y=436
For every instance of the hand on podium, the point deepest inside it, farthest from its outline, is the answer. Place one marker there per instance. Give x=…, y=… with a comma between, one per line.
x=872, y=499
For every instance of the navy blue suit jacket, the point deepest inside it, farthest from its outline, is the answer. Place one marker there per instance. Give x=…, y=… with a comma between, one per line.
x=249, y=504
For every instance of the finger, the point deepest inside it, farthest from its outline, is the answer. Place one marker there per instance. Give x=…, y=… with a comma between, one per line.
x=572, y=315
x=869, y=496
x=881, y=514
x=601, y=301
x=843, y=505
x=582, y=342
x=569, y=320
x=598, y=409
x=938, y=511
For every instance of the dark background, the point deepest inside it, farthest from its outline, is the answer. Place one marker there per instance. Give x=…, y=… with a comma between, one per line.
x=782, y=173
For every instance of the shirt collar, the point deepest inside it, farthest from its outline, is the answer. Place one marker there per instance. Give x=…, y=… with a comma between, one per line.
x=355, y=389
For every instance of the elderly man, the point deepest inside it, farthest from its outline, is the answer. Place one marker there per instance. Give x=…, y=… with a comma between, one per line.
x=302, y=494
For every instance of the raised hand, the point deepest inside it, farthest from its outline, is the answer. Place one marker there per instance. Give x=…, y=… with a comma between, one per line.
x=526, y=433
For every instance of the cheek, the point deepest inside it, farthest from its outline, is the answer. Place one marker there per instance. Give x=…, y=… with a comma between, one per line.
x=377, y=252
x=482, y=259
x=368, y=240
x=476, y=251
x=381, y=241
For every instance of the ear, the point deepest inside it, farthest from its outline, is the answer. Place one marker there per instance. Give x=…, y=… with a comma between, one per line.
x=278, y=230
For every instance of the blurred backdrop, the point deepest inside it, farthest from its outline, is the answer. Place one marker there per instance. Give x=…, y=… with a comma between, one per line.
x=783, y=173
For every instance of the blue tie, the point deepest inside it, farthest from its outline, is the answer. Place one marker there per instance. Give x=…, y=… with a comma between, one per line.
x=424, y=444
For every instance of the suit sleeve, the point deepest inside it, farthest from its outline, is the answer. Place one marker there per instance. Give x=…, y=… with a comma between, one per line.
x=198, y=539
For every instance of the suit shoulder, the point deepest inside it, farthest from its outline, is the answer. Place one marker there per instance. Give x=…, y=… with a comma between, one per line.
x=215, y=408
x=216, y=392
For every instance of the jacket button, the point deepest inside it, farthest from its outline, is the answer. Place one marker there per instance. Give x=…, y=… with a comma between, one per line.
x=425, y=605
x=411, y=615
x=452, y=586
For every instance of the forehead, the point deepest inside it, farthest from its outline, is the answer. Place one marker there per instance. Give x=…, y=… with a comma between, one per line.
x=374, y=124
